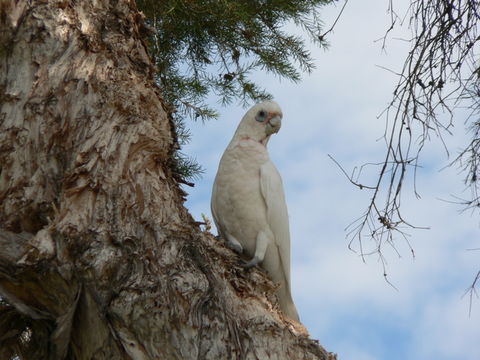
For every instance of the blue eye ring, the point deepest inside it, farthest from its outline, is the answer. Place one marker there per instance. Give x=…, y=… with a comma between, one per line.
x=261, y=115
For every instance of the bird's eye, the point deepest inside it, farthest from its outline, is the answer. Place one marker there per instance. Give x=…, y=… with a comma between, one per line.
x=261, y=116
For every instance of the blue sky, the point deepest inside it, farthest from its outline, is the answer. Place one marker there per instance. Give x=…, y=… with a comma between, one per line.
x=344, y=302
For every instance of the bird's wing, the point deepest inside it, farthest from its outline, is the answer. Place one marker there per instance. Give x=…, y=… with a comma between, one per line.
x=277, y=215
x=213, y=208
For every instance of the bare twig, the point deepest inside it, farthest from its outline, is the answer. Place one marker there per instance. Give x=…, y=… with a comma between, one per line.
x=440, y=74
x=360, y=186
x=323, y=35
x=472, y=291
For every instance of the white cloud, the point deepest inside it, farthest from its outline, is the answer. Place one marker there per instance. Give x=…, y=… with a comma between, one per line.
x=445, y=331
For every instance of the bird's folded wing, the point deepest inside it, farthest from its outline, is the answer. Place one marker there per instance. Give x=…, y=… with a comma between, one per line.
x=272, y=191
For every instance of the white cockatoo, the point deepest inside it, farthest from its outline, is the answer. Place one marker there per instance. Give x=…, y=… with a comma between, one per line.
x=248, y=202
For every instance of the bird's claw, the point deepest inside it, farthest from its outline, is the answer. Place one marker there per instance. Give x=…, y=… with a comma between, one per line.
x=250, y=263
x=235, y=246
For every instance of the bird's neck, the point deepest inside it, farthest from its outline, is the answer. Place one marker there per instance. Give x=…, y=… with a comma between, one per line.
x=242, y=137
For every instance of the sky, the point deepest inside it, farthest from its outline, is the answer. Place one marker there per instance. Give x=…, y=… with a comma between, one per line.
x=345, y=302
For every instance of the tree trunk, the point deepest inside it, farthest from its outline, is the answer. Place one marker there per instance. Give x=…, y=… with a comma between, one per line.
x=99, y=259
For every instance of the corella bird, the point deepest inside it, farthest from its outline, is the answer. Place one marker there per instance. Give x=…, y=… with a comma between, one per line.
x=248, y=203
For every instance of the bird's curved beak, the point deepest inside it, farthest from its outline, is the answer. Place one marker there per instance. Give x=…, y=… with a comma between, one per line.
x=274, y=122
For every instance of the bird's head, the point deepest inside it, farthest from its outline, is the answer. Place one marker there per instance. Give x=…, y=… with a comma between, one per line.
x=261, y=121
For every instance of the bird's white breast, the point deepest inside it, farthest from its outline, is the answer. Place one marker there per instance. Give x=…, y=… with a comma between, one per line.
x=237, y=196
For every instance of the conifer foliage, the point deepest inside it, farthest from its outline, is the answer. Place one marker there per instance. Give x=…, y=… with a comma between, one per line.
x=211, y=48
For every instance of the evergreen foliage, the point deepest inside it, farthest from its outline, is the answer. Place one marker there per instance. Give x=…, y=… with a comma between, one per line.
x=212, y=48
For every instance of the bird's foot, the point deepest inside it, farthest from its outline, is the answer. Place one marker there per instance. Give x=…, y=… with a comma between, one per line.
x=234, y=245
x=255, y=261
x=231, y=244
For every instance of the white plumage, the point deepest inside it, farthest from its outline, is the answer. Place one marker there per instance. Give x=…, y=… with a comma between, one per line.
x=248, y=202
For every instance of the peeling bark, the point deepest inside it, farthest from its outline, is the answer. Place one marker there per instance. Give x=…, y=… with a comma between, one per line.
x=99, y=259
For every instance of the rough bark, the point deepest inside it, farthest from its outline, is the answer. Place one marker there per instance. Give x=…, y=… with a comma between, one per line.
x=99, y=259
